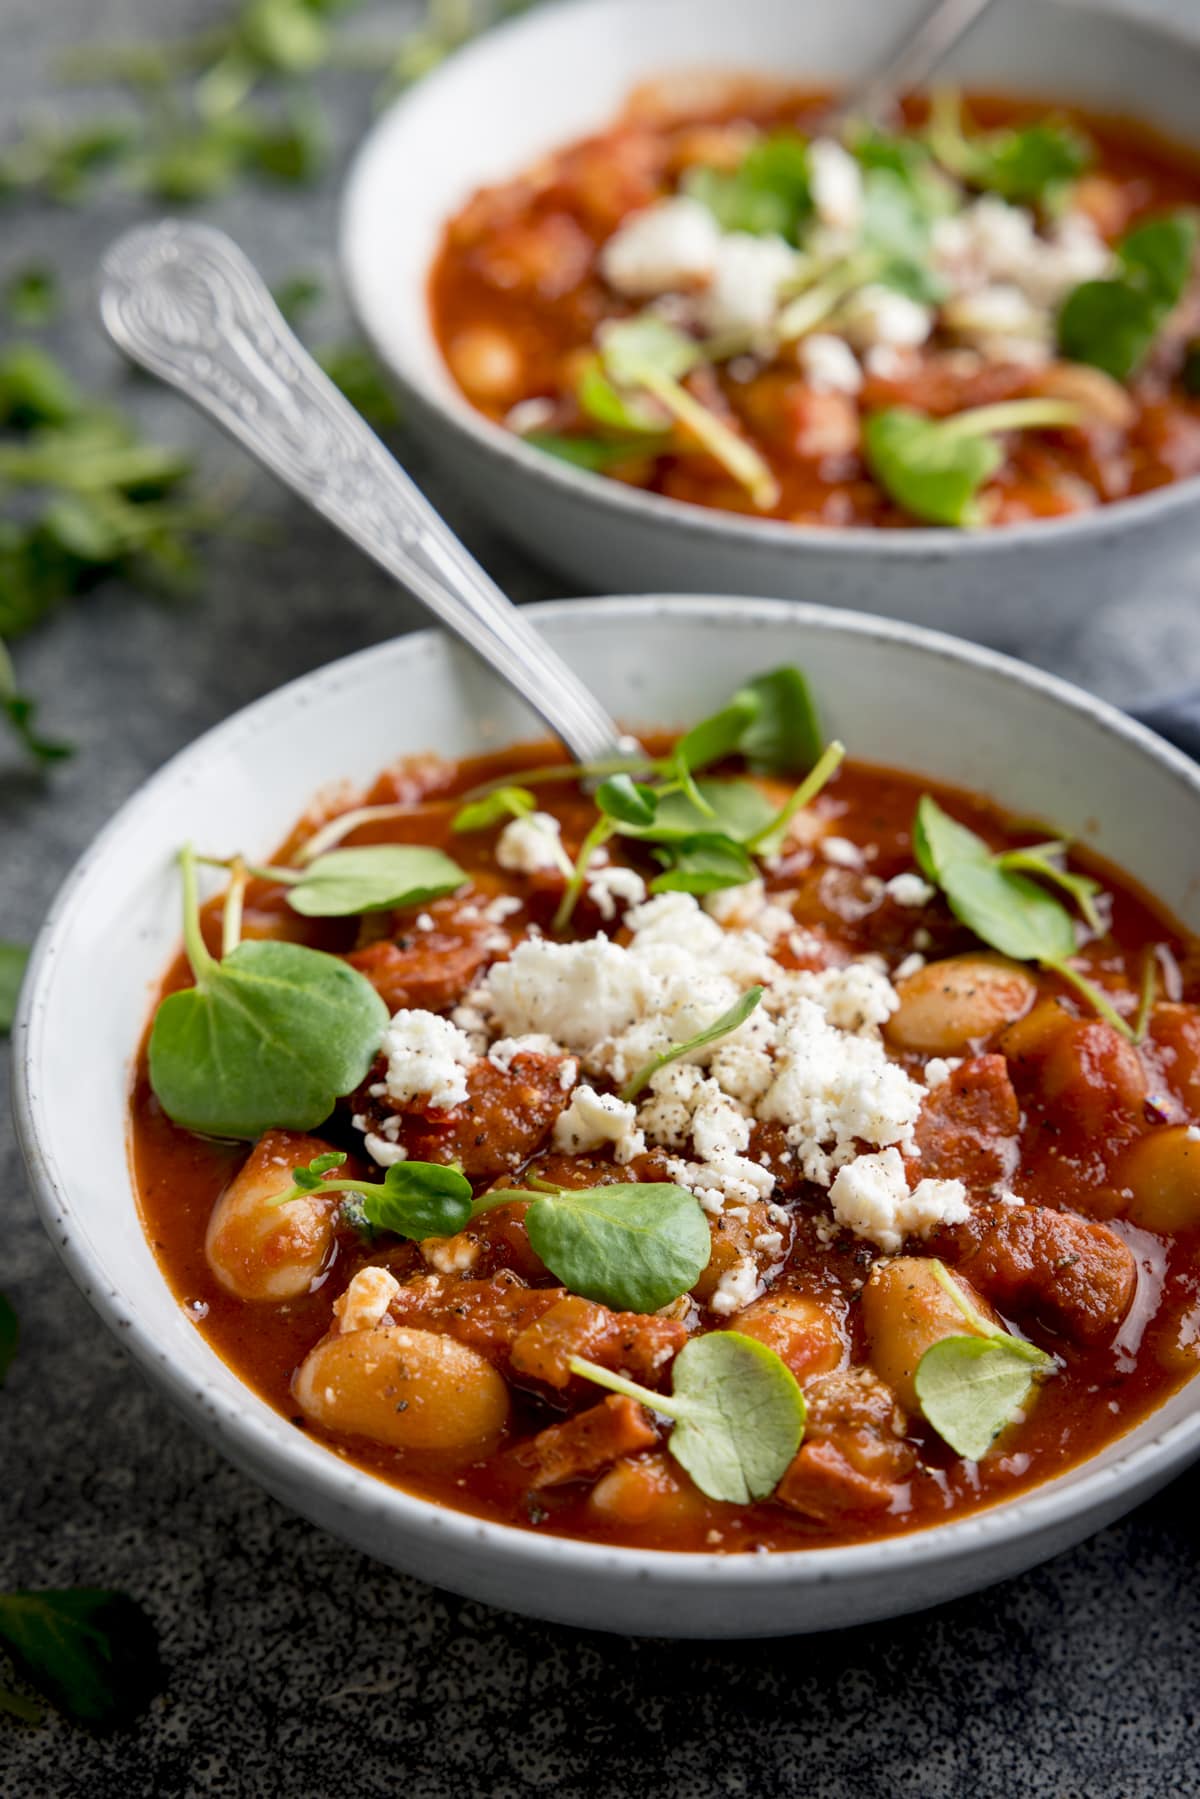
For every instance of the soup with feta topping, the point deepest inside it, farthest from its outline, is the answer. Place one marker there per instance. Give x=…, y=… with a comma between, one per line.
x=981, y=316
x=735, y=1147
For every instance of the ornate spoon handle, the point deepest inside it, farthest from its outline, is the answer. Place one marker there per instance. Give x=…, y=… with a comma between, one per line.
x=184, y=302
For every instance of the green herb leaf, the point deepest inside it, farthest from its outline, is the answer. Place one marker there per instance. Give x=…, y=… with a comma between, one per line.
x=500, y=803
x=970, y=1388
x=724, y=1026
x=735, y=809
x=10, y=1332
x=13, y=958
x=719, y=735
x=1112, y=324
x=376, y=878
x=634, y=1246
x=31, y=296
x=1029, y=163
x=594, y=453
x=269, y=1037
x=939, y=841
x=20, y=712
x=297, y=296
x=702, y=865
x=352, y=368
x=934, y=468
x=628, y=801
x=93, y=1653
x=784, y=736
x=605, y=403
x=739, y=1413
x=35, y=390
x=414, y=1199
x=1038, y=859
x=768, y=194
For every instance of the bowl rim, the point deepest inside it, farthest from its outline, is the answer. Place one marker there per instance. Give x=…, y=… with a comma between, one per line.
x=250, y=1427
x=916, y=543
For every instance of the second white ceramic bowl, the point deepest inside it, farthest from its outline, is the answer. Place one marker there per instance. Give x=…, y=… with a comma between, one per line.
x=564, y=70
x=896, y=695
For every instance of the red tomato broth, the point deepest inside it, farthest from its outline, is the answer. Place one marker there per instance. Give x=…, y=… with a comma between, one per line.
x=520, y=260
x=1100, y=1392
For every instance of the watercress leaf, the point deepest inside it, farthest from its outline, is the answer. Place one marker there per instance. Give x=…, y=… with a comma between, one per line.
x=718, y=736
x=269, y=1037
x=352, y=368
x=632, y=1246
x=730, y=1020
x=605, y=403
x=970, y=1388
x=1109, y=324
x=939, y=841
x=740, y=1417
x=1037, y=860
x=1158, y=256
x=630, y=802
x=418, y=1200
x=10, y=1332
x=93, y=1653
x=35, y=389
x=931, y=474
x=1010, y=912
x=768, y=194
x=501, y=803
x=702, y=865
x=783, y=735
x=647, y=346
x=376, y=878
x=735, y=809
x=594, y=453
x=297, y=295
x=31, y=296
x=1029, y=164
x=13, y=957
x=308, y=1177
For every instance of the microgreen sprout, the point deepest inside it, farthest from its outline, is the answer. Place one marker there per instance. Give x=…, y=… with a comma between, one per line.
x=724, y=1026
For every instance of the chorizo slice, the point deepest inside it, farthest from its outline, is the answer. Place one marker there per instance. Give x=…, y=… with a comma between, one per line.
x=968, y=1126
x=586, y=1444
x=1076, y=1276
x=640, y=1345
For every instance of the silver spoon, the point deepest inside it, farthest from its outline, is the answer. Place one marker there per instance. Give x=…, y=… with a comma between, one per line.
x=906, y=63
x=185, y=303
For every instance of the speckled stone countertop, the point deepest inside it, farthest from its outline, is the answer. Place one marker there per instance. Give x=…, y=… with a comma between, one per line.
x=293, y=1665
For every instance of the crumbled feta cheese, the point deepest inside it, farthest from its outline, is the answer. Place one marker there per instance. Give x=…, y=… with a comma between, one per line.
x=427, y=1056
x=452, y=1255
x=568, y=1074
x=749, y=276
x=747, y=907
x=530, y=415
x=829, y=364
x=424, y=921
x=836, y=182
x=910, y=889
x=841, y=852
x=1007, y=1198
x=881, y=315
x=737, y=1287
x=672, y=244
x=593, y=1119
x=870, y=1196
x=607, y=886
x=1193, y=1133
x=531, y=843
x=383, y=1150
x=502, y=907
x=911, y=965
x=885, y=362
x=580, y=993
x=857, y=998
x=534, y=1043
x=938, y=1069
x=365, y=1302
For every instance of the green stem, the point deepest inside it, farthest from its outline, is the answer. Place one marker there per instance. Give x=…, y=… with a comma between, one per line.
x=340, y=1186
x=1148, y=993
x=17, y=1707
x=1099, y=1003
x=599, y=834
x=198, y=953
x=231, y=921
x=818, y=776
x=1010, y=415
x=551, y=771
x=604, y=1377
x=255, y=871
x=504, y=1196
x=736, y=456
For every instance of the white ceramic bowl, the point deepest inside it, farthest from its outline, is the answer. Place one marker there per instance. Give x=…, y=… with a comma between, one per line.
x=896, y=695
x=564, y=70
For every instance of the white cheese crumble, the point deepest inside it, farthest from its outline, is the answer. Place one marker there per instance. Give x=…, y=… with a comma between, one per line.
x=909, y=889
x=835, y=179
x=828, y=364
x=871, y=1197
x=593, y=1119
x=536, y=1043
x=529, y=844
x=737, y=1287
x=382, y=1150
x=911, y=965
x=365, y=1302
x=451, y=1255
x=672, y=244
x=841, y=852
x=608, y=887
x=938, y=1069
x=749, y=276
x=881, y=315
x=427, y=1056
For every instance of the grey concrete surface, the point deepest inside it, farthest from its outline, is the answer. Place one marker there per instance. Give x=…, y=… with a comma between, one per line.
x=294, y=1666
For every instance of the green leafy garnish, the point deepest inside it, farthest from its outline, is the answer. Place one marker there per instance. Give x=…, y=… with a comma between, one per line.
x=1042, y=859
x=634, y=1246
x=627, y=801
x=702, y=864
x=93, y=1653
x=414, y=1199
x=934, y=468
x=972, y=1387
x=606, y=404
x=379, y=877
x=737, y=1409
x=31, y=296
x=13, y=957
x=269, y=1037
x=768, y=193
x=10, y=1332
x=724, y=1026
x=594, y=453
x=1113, y=323
x=501, y=803
x=1001, y=904
x=1029, y=164
x=646, y=353
x=352, y=368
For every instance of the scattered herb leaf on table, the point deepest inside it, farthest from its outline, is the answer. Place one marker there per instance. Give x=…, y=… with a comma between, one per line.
x=93, y=1653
